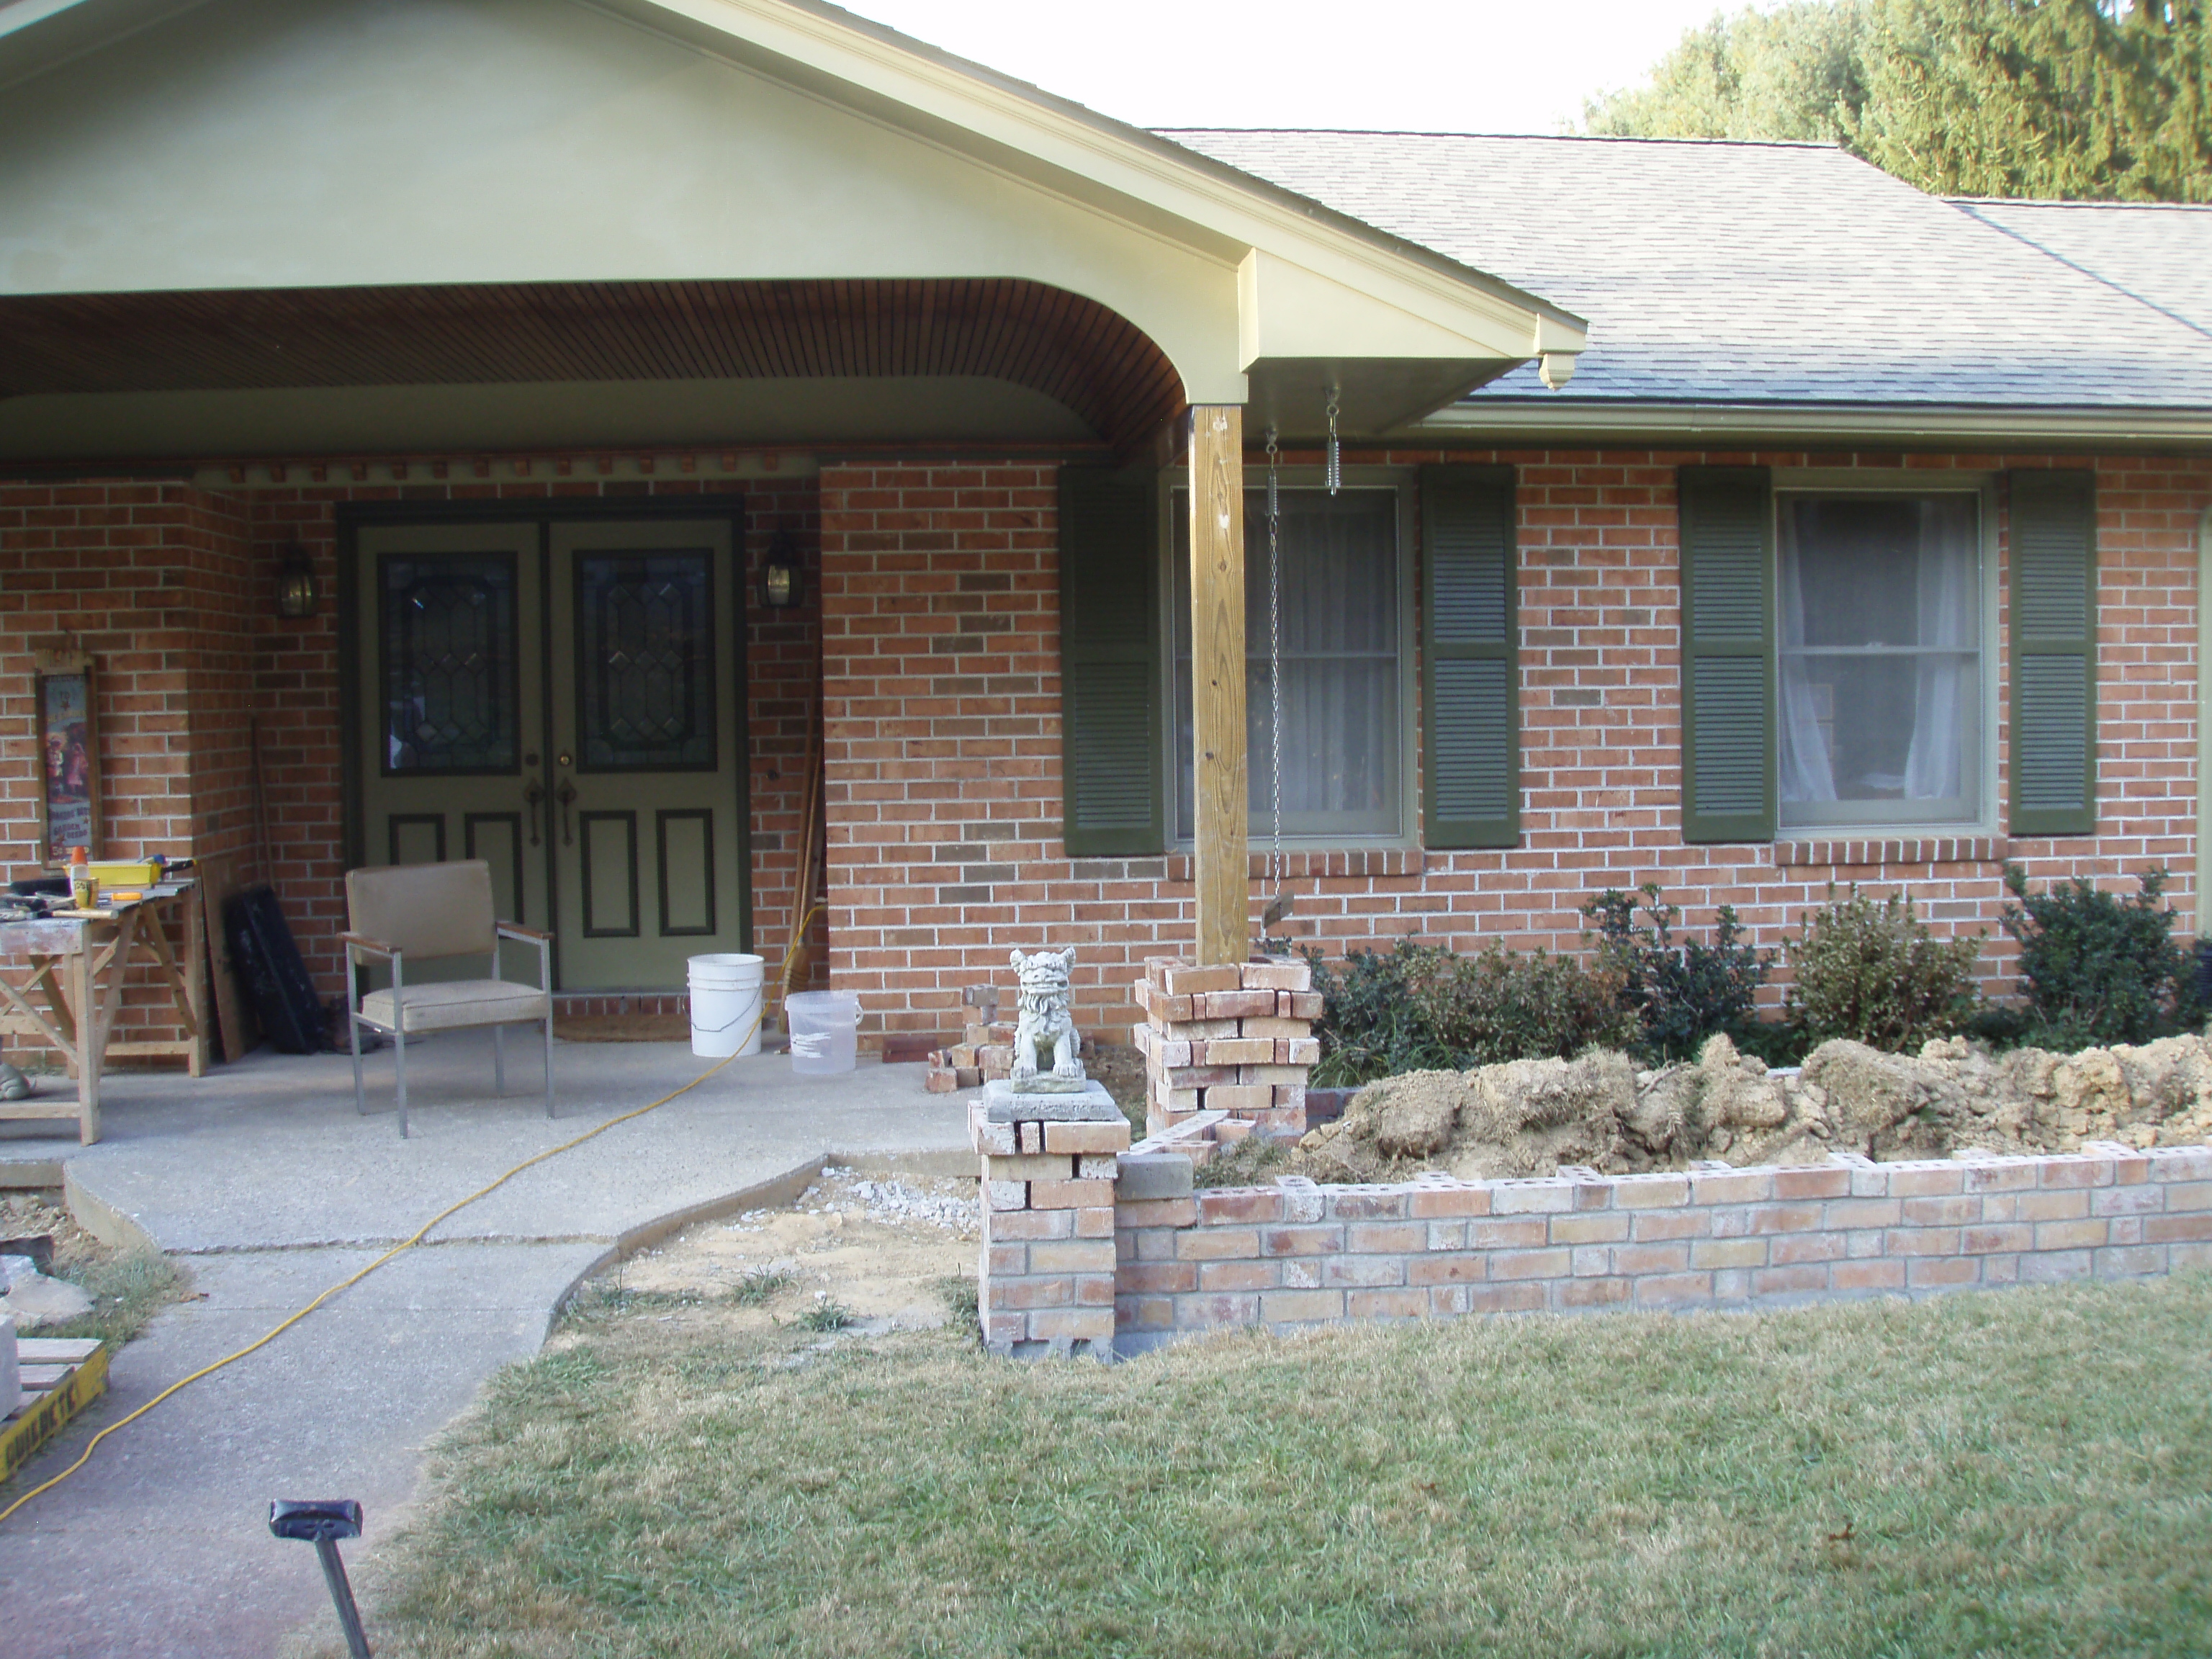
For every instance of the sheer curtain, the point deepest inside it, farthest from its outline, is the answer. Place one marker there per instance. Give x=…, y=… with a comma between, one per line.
x=1935, y=765
x=1802, y=748
x=1879, y=671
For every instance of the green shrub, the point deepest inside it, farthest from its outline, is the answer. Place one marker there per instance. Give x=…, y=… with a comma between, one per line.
x=2096, y=967
x=1869, y=970
x=1679, y=993
x=1418, y=1008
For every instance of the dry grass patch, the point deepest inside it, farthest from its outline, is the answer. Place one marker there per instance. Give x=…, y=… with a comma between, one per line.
x=2019, y=1474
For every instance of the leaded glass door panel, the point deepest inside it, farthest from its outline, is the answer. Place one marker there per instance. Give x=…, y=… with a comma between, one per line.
x=647, y=749
x=451, y=697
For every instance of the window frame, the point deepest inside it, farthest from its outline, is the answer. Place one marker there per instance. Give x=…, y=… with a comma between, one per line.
x=1404, y=483
x=1786, y=483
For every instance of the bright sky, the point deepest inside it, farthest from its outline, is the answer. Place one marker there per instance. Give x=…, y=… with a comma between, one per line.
x=1422, y=65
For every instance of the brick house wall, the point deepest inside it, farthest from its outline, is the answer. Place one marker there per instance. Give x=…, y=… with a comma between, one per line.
x=172, y=588
x=941, y=646
x=935, y=608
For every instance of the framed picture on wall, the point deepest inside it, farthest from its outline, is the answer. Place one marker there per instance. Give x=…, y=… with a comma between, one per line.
x=69, y=746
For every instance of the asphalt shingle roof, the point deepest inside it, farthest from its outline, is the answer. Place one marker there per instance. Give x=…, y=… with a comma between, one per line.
x=2159, y=253
x=1737, y=273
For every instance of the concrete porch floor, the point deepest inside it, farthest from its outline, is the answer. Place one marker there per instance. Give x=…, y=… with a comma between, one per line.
x=264, y=1179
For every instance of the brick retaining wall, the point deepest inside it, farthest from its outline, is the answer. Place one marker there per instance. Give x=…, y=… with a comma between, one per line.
x=1296, y=1254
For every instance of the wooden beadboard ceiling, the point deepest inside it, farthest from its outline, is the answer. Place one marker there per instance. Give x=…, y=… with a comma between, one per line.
x=1068, y=348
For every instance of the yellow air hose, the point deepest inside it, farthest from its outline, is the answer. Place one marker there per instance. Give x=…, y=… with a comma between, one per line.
x=405, y=1245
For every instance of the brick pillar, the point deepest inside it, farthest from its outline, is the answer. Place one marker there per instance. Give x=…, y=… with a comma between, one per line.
x=1046, y=1282
x=1236, y=1039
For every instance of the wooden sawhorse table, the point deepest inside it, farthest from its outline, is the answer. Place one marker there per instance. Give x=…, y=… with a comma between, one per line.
x=79, y=962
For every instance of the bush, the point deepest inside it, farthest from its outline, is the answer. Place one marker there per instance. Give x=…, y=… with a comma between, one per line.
x=1421, y=1007
x=1869, y=970
x=2098, y=968
x=1679, y=993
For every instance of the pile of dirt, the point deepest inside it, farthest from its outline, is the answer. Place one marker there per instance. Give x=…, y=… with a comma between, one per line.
x=1527, y=1117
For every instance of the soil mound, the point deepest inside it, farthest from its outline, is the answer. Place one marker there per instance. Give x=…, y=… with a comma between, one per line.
x=1527, y=1117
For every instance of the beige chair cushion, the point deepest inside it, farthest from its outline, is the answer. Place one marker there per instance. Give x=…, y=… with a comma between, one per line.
x=427, y=910
x=452, y=1003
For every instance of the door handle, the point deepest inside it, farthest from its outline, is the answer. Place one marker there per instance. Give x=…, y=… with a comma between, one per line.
x=566, y=794
x=535, y=794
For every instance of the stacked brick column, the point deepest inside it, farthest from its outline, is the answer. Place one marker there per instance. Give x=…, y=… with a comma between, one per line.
x=1236, y=1039
x=1046, y=1281
x=985, y=1052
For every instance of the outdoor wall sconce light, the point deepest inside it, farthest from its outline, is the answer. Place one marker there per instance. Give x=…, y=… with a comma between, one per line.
x=781, y=583
x=296, y=585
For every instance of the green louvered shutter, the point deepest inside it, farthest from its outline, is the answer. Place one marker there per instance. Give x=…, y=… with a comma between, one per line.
x=1728, y=654
x=1470, y=678
x=2054, y=653
x=1111, y=734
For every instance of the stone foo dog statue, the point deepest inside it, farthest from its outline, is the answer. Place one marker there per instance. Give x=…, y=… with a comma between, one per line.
x=1045, y=1021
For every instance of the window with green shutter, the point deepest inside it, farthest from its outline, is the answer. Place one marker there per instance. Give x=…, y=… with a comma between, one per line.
x=1728, y=654
x=1470, y=672
x=2054, y=653
x=1111, y=718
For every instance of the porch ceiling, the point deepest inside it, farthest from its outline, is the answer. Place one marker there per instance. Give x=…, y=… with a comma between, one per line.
x=1063, y=346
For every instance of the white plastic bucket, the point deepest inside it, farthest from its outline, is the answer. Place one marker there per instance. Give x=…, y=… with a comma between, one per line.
x=726, y=1006
x=825, y=1027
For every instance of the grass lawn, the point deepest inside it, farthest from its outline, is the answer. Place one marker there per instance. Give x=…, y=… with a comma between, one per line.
x=2024, y=1472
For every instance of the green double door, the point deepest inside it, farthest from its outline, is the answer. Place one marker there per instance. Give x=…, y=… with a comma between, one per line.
x=564, y=700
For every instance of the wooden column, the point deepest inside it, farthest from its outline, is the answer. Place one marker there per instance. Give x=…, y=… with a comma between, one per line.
x=1217, y=632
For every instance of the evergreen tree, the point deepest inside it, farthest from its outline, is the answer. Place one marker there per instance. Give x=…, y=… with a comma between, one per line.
x=1791, y=73
x=2087, y=99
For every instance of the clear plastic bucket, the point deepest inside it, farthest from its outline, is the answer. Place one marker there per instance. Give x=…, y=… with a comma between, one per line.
x=726, y=1006
x=826, y=1031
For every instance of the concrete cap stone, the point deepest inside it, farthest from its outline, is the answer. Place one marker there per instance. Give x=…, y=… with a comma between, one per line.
x=1093, y=1105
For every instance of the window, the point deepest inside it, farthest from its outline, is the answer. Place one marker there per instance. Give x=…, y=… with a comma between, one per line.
x=1879, y=693
x=1345, y=697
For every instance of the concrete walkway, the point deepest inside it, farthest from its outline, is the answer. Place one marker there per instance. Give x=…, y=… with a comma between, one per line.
x=263, y=1178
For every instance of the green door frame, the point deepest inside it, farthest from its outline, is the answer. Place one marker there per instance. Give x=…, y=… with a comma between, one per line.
x=353, y=516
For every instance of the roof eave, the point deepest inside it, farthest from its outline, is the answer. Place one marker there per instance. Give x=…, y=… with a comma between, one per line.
x=1678, y=424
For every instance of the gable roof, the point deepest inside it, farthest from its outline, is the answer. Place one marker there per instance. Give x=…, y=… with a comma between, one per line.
x=1763, y=278
x=155, y=146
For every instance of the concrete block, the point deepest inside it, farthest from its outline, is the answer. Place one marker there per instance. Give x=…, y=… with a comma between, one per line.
x=1140, y=1175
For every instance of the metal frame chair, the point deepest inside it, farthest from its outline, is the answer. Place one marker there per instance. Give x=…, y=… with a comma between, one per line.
x=426, y=912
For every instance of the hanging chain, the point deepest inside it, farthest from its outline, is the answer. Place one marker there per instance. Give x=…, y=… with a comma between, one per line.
x=1332, y=469
x=1278, y=865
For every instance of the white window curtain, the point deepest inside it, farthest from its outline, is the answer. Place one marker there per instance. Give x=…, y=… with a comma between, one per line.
x=1342, y=703
x=1879, y=666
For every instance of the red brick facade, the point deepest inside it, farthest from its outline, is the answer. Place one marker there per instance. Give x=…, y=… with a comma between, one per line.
x=945, y=751
x=936, y=616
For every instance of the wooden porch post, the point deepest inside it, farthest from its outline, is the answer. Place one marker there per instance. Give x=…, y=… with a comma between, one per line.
x=1217, y=632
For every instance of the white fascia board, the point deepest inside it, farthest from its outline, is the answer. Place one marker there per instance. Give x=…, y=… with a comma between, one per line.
x=1120, y=168
x=1516, y=419
x=1285, y=310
